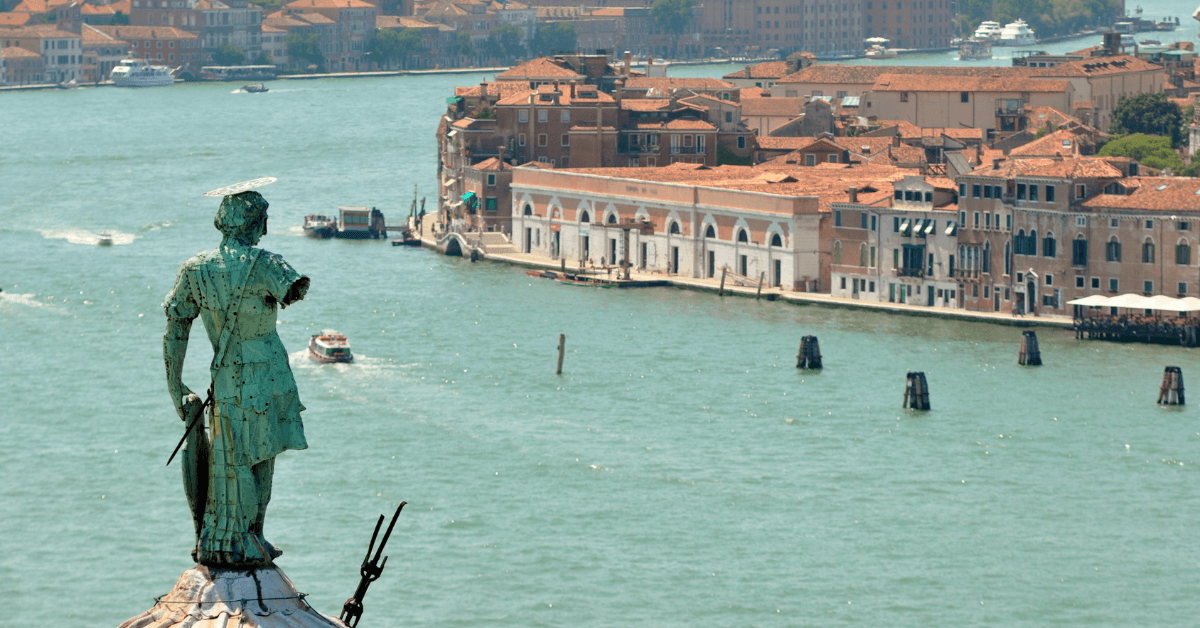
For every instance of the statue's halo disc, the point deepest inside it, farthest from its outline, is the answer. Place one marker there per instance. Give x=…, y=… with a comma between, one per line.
x=244, y=186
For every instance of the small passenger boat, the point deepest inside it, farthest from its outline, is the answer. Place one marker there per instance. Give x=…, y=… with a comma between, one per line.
x=573, y=280
x=330, y=346
x=255, y=88
x=104, y=239
x=319, y=226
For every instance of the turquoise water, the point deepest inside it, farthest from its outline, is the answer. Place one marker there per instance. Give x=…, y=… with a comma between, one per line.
x=680, y=472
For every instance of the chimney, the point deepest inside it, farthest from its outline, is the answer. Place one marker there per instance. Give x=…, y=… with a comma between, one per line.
x=896, y=139
x=996, y=163
x=483, y=95
x=572, y=90
x=627, y=58
x=501, y=156
x=853, y=194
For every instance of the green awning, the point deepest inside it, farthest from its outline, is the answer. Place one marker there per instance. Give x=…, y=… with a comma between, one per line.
x=453, y=100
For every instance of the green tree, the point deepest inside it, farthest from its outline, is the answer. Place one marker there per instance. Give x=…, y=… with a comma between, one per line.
x=673, y=17
x=229, y=54
x=1152, y=114
x=264, y=58
x=465, y=47
x=554, y=37
x=305, y=47
x=120, y=19
x=1151, y=150
x=390, y=45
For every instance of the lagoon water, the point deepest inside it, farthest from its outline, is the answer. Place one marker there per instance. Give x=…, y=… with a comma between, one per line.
x=681, y=472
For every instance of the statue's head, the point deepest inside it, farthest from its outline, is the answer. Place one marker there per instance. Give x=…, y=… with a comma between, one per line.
x=242, y=217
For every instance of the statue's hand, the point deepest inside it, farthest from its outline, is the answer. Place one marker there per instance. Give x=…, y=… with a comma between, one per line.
x=191, y=403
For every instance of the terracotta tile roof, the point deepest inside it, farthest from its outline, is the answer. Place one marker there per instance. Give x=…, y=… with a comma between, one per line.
x=958, y=134
x=39, y=6
x=93, y=37
x=754, y=92
x=329, y=4
x=905, y=83
x=681, y=124
x=608, y=12
x=765, y=70
x=904, y=128
x=491, y=163
x=521, y=97
x=46, y=31
x=282, y=22
x=874, y=145
x=767, y=142
x=541, y=68
x=1062, y=142
x=15, y=19
x=92, y=9
x=13, y=52
x=1165, y=194
x=907, y=154
x=400, y=21
x=1041, y=116
x=830, y=185
x=144, y=32
x=1061, y=168
x=643, y=82
x=645, y=104
x=312, y=18
x=941, y=183
x=1083, y=104
x=790, y=107
x=1097, y=66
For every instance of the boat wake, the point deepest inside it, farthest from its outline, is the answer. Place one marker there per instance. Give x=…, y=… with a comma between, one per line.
x=83, y=236
x=28, y=300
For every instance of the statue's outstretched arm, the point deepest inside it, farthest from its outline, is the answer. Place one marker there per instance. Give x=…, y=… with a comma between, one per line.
x=175, y=343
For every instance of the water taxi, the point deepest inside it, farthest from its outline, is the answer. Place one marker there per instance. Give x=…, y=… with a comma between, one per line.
x=104, y=239
x=255, y=88
x=319, y=226
x=1017, y=34
x=134, y=73
x=330, y=346
x=879, y=49
x=975, y=49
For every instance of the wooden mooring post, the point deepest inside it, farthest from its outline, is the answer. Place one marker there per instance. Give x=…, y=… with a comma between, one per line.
x=721, y=291
x=760, y=282
x=810, y=353
x=916, y=391
x=1171, y=393
x=562, y=347
x=1029, y=355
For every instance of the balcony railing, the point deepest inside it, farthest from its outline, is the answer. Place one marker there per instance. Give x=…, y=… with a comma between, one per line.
x=910, y=272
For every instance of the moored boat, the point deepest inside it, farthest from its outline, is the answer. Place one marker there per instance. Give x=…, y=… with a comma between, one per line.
x=975, y=49
x=319, y=226
x=988, y=30
x=572, y=280
x=1016, y=34
x=880, y=52
x=134, y=73
x=330, y=346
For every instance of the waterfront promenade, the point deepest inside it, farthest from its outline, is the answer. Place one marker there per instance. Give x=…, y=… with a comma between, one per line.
x=431, y=241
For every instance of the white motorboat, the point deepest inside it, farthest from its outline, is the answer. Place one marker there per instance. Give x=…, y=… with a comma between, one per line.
x=1017, y=34
x=880, y=52
x=134, y=73
x=330, y=346
x=988, y=30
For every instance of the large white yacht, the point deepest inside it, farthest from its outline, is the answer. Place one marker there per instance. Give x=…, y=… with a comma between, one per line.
x=1017, y=34
x=988, y=30
x=134, y=73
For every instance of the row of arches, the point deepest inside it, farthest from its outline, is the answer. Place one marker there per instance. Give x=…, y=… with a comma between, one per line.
x=584, y=216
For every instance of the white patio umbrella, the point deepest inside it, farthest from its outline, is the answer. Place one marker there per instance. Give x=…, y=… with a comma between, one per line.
x=877, y=40
x=1095, y=300
x=1164, y=303
x=1130, y=300
x=1189, y=304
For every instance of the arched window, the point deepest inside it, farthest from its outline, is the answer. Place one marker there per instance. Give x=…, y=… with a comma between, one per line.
x=1019, y=242
x=710, y=232
x=776, y=240
x=1112, y=250
x=528, y=210
x=837, y=252
x=1148, y=251
x=987, y=257
x=612, y=219
x=674, y=228
x=1049, y=245
x=862, y=255
x=1031, y=243
x=1183, y=252
x=585, y=216
x=742, y=236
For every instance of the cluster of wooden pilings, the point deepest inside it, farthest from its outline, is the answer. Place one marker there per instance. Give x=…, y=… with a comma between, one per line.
x=916, y=387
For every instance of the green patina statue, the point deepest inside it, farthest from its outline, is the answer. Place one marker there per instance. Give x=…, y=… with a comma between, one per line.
x=254, y=410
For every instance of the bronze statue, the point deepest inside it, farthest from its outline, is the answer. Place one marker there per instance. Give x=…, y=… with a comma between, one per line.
x=253, y=412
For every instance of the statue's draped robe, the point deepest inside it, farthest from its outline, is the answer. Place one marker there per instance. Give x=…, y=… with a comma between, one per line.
x=256, y=408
